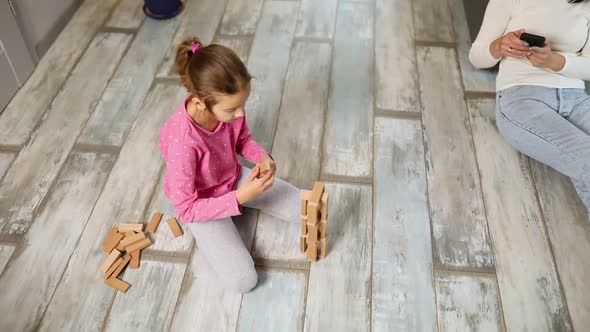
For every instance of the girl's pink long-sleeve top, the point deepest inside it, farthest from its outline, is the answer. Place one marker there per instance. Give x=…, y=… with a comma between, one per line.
x=202, y=169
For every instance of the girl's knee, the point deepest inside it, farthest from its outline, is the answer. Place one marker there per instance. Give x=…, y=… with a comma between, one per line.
x=244, y=282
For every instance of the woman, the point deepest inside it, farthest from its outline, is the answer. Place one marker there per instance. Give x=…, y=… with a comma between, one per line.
x=541, y=107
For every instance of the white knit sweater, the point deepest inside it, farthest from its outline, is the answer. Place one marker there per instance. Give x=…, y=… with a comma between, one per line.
x=566, y=27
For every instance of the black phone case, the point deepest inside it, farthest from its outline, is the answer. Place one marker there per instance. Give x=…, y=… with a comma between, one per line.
x=533, y=40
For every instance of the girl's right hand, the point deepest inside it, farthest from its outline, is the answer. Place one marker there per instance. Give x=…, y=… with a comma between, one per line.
x=254, y=186
x=510, y=45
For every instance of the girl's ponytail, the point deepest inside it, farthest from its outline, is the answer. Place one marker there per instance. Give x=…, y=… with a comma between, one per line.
x=184, y=53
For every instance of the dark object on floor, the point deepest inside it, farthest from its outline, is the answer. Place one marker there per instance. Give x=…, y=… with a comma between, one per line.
x=162, y=9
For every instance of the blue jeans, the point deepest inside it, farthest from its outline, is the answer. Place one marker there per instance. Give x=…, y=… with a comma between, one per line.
x=551, y=126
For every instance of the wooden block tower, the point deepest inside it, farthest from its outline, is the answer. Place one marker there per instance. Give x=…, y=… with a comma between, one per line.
x=314, y=218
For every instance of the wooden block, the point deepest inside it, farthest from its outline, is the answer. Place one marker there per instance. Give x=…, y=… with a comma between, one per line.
x=153, y=225
x=303, y=244
x=112, y=269
x=130, y=240
x=121, y=266
x=110, y=260
x=117, y=284
x=303, y=207
x=305, y=195
x=175, y=227
x=139, y=245
x=325, y=204
x=312, y=214
x=130, y=227
x=111, y=240
x=316, y=193
x=303, y=225
x=323, y=244
x=323, y=229
x=312, y=251
x=135, y=258
x=312, y=234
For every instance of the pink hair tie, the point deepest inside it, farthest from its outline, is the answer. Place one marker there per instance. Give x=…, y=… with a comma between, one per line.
x=196, y=47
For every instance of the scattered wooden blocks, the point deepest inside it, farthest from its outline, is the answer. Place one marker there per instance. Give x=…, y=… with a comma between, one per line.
x=314, y=219
x=117, y=284
x=111, y=241
x=153, y=225
x=175, y=227
x=135, y=257
x=115, y=254
x=131, y=239
x=139, y=245
x=123, y=228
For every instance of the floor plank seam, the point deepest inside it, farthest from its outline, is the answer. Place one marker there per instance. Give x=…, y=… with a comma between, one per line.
x=342, y=179
x=382, y=113
x=428, y=43
x=127, y=31
x=11, y=148
x=549, y=243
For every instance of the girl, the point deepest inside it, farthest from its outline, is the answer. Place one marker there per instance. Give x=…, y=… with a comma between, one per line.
x=199, y=144
x=542, y=109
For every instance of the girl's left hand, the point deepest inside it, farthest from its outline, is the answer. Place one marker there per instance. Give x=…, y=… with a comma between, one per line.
x=268, y=160
x=544, y=57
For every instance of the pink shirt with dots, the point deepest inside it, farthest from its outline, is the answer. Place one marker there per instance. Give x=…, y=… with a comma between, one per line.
x=202, y=169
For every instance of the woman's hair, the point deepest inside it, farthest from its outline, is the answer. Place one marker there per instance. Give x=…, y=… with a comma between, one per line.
x=210, y=70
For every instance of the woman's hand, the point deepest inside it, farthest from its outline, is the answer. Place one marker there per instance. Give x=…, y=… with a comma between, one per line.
x=544, y=57
x=254, y=186
x=510, y=45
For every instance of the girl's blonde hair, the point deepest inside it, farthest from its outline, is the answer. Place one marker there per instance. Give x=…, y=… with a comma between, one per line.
x=210, y=71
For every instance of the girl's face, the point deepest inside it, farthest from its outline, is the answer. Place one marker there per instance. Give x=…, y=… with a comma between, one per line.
x=231, y=107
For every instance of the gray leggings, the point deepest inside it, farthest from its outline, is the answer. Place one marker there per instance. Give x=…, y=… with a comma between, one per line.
x=221, y=245
x=551, y=126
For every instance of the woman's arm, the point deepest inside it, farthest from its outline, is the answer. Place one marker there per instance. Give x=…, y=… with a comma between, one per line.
x=494, y=26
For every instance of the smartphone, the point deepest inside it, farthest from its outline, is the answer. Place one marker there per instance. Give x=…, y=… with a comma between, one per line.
x=532, y=39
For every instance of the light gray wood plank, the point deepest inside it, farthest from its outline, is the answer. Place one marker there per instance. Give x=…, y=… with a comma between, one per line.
x=6, y=159
x=6, y=251
x=297, y=149
x=456, y=206
x=149, y=303
x=200, y=19
x=204, y=304
x=203, y=293
x=432, y=21
x=569, y=232
x=123, y=200
x=29, y=282
x=127, y=15
x=51, y=72
x=240, y=17
x=396, y=75
x=467, y=303
x=268, y=62
x=26, y=183
x=123, y=97
x=349, y=123
x=478, y=80
x=240, y=45
x=529, y=286
x=316, y=19
x=403, y=295
x=276, y=304
x=164, y=241
x=339, y=293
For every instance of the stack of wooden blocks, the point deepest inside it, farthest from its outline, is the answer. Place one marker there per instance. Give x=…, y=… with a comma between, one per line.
x=314, y=219
x=129, y=239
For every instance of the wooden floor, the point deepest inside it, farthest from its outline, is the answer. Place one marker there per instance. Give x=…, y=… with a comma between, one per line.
x=435, y=222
